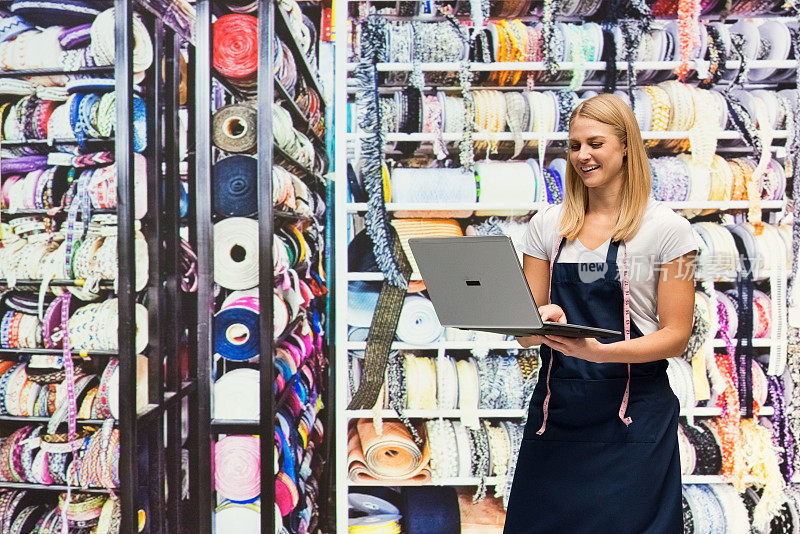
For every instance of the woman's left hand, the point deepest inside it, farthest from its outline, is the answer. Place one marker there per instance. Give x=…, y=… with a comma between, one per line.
x=585, y=348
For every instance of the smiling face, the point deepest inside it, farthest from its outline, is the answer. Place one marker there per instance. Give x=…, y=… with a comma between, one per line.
x=596, y=153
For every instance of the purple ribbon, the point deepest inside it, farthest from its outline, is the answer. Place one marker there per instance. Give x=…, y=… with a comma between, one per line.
x=23, y=164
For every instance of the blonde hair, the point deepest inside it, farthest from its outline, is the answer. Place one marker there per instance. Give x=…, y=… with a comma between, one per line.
x=613, y=111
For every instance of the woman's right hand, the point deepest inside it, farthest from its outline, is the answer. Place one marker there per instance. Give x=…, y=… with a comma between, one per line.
x=549, y=312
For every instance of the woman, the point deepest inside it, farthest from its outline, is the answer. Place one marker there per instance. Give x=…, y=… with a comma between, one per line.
x=600, y=449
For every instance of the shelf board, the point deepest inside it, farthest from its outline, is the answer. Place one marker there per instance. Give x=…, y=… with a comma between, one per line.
x=506, y=414
x=534, y=136
x=104, y=284
x=106, y=69
x=493, y=481
x=357, y=207
x=31, y=419
x=281, y=154
x=53, y=487
x=59, y=352
x=435, y=414
x=148, y=412
x=501, y=345
x=528, y=66
x=235, y=426
x=57, y=141
x=44, y=213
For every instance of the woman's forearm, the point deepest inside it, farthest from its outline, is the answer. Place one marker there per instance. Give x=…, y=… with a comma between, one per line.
x=663, y=343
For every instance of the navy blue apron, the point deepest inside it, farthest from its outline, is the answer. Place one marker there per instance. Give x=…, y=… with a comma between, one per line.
x=589, y=471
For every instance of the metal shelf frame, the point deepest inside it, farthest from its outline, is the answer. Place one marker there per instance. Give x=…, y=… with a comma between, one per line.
x=142, y=429
x=271, y=22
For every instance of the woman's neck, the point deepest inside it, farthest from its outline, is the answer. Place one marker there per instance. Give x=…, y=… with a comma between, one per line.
x=606, y=200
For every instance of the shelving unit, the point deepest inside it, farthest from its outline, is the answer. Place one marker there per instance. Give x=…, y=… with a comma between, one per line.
x=150, y=452
x=268, y=92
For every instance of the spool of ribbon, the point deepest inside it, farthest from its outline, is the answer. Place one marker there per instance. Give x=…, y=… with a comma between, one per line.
x=237, y=467
x=418, y=323
x=233, y=128
x=234, y=191
x=65, y=12
x=12, y=26
x=236, y=395
x=408, y=228
x=231, y=517
x=103, y=38
x=435, y=186
x=236, y=330
x=236, y=253
x=236, y=48
x=500, y=181
x=393, y=455
x=362, y=297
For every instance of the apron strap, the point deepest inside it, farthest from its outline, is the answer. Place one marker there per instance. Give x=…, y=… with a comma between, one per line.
x=546, y=402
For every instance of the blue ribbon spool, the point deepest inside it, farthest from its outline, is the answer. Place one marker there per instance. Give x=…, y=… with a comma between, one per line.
x=236, y=334
x=184, y=200
x=234, y=187
x=66, y=12
x=10, y=27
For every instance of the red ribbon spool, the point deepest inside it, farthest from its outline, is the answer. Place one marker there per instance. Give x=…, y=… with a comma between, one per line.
x=236, y=48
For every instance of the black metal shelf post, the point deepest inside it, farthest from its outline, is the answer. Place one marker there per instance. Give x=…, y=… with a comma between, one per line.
x=128, y=471
x=175, y=318
x=266, y=98
x=202, y=487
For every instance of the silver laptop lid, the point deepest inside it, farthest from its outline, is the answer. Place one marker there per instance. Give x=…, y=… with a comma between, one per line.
x=475, y=282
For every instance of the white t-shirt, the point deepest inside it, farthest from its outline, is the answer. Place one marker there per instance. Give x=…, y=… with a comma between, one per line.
x=663, y=236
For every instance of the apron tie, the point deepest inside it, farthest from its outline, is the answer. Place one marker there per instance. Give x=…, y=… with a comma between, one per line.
x=546, y=402
x=624, y=406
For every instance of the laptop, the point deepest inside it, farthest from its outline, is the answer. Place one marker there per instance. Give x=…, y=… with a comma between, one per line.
x=477, y=283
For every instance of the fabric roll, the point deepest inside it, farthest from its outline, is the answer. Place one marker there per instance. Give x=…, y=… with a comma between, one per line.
x=65, y=12
x=408, y=228
x=236, y=48
x=236, y=253
x=500, y=181
x=362, y=297
x=241, y=518
x=375, y=524
x=736, y=519
x=434, y=186
x=418, y=323
x=236, y=333
x=236, y=395
x=680, y=375
x=430, y=510
x=233, y=129
x=234, y=187
x=390, y=456
x=237, y=467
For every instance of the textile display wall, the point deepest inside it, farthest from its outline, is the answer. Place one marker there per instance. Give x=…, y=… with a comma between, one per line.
x=455, y=124
x=243, y=482
x=84, y=357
